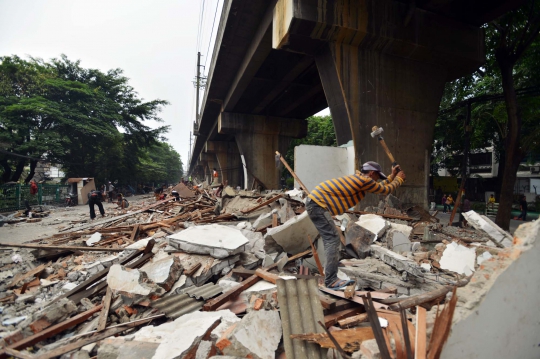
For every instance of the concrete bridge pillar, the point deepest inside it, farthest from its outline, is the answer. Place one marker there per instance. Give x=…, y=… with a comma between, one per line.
x=258, y=138
x=228, y=160
x=382, y=63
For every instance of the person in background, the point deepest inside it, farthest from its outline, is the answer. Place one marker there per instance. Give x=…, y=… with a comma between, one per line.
x=445, y=206
x=449, y=201
x=121, y=201
x=465, y=207
x=94, y=198
x=110, y=191
x=491, y=201
x=522, y=208
x=159, y=191
x=334, y=197
x=33, y=188
x=215, y=176
x=176, y=195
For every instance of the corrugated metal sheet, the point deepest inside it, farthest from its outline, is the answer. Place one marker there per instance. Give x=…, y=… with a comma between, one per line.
x=175, y=306
x=206, y=291
x=300, y=309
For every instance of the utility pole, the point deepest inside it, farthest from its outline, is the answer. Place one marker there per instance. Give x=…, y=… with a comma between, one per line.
x=198, y=85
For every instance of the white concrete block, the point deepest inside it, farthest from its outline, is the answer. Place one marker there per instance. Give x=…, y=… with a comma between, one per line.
x=258, y=334
x=132, y=283
x=164, y=272
x=483, y=257
x=373, y=223
x=94, y=238
x=458, y=258
x=482, y=223
x=292, y=236
x=216, y=240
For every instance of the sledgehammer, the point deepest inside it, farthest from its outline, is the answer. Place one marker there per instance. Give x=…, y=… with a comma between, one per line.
x=377, y=132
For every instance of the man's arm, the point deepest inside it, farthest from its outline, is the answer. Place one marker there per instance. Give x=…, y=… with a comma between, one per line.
x=376, y=187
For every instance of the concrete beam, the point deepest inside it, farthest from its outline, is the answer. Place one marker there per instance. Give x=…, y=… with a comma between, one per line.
x=233, y=123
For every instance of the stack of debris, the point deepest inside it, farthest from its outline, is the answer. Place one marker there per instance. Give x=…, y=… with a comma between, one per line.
x=239, y=276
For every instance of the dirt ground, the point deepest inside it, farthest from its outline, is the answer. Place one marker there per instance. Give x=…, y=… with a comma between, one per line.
x=61, y=217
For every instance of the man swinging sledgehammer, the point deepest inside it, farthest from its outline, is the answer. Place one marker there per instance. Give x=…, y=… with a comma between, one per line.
x=334, y=197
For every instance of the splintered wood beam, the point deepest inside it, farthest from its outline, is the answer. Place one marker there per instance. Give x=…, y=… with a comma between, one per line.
x=420, y=344
x=102, y=323
x=420, y=299
x=46, y=247
x=265, y=203
x=215, y=303
x=348, y=339
x=332, y=319
x=267, y=276
x=354, y=320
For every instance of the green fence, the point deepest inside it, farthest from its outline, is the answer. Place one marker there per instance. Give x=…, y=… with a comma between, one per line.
x=12, y=197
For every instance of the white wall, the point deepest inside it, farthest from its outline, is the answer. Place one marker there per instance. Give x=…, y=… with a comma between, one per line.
x=316, y=164
x=506, y=323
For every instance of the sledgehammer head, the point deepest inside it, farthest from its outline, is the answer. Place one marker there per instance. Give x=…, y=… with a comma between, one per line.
x=376, y=131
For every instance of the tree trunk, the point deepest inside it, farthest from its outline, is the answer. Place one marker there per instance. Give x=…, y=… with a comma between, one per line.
x=18, y=170
x=33, y=165
x=7, y=170
x=514, y=154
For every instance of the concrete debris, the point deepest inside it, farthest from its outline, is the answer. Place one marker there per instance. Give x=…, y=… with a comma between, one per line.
x=458, y=258
x=216, y=240
x=164, y=272
x=485, y=224
x=358, y=240
x=132, y=284
x=292, y=236
x=373, y=223
x=397, y=238
x=94, y=238
x=264, y=220
x=258, y=335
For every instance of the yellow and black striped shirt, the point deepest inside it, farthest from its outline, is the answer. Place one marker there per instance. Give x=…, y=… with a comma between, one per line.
x=339, y=194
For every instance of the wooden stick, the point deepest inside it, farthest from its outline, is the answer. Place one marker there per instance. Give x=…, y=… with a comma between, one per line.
x=292, y=172
x=102, y=323
x=45, y=247
x=420, y=344
x=357, y=319
x=267, y=276
x=316, y=256
x=266, y=203
x=420, y=299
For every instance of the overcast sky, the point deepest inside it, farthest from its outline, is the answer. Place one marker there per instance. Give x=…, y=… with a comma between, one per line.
x=153, y=41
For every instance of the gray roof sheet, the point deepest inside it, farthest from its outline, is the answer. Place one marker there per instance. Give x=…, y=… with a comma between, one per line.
x=175, y=306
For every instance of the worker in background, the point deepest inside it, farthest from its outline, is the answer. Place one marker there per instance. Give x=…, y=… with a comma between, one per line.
x=334, y=197
x=122, y=201
x=159, y=192
x=523, y=208
x=215, y=176
x=176, y=195
x=94, y=198
x=465, y=207
x=491, y=201
x=449, y=202
x=110, y=190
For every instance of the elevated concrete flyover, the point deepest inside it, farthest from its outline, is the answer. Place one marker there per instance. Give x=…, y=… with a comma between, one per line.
x=373, y=62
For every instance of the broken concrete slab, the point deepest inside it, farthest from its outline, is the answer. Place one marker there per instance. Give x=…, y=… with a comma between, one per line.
x=458, y=258
x=373, y=223
x=292, y=236
x=258, y=335
x=396, y=260
x=358, y=240
x=185, y=333
x=483, y=223
x=216, y=240
x=228, y=192
x=133, y=285
x=164, y=272
x=398, y=241
x=261, y=288
x=264, y=220
x=286, y=212
x=94, y=238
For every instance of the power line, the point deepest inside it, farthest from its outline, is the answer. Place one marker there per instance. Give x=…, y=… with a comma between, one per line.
x=211, y=33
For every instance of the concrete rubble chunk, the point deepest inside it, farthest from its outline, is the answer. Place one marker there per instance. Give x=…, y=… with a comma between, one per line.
x=286, y=212
x=373, y=223
x=132, y=284
x=458, y=258
x=292, y=236
x=483, y=223
x=397, y=238
x=216, y=240
x=264, y=220
x=203, y=351
x=164, y=272
x=392, y=202
x=228, y=191
x=358, y=240
x=185, y=333
x=483, y=257
x=258, y=335
x=94, y=238
x=396, y=260
x=370, y=349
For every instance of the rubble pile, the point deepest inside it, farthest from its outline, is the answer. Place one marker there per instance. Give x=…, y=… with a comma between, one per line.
x=240, y=276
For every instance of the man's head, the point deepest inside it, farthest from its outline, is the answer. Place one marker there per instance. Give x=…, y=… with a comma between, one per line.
x=373, y=170
x=491, y=195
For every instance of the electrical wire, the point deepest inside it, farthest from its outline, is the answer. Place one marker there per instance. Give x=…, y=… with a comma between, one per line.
x=211, y=33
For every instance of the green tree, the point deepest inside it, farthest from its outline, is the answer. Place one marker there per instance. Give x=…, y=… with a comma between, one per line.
x=160, y=163
x=509, y=122
x=92, y=122
x=320, y=133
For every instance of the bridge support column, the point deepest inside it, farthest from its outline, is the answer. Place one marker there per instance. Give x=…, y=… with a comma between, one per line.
x=228, y=160
x=382, y=64
x=258, y=138
x=211, y=163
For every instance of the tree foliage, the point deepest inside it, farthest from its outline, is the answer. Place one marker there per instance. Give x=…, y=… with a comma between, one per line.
x=320, y=133
x=509, y=121
x=91, y=122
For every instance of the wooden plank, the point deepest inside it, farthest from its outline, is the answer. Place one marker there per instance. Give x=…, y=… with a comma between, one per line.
x=27, y=275
x=213, y=304
x=441, y=328
x=135, y=233
x=274, y=220
x=189, y=272
x=349, y=339
x=420, y=340
x=353, y=299
x=316, y=256
x=265, y=203
x=420, y=299
x=17, y=354
x=102, y=323
x=242, y=272
x=270, y=277
x=333, y=318
x=46, y=247
x=354, y=320
x=55, y=329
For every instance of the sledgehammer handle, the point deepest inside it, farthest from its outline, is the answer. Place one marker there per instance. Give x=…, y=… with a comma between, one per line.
x=383, y=144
